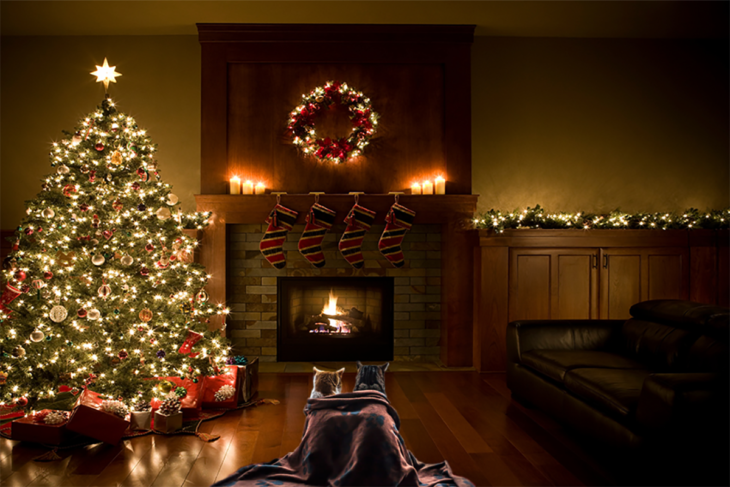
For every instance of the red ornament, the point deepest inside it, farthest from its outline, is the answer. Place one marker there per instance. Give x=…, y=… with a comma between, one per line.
x=20, y=276
x=68, y=189
x=21, y=401
x=39, y=230
x=38, y=284
x=99, y=147
x=149, y=247
x=24, y=288
x=81, y=313
x=123, y=354
x=29, y=231
x=47, y=275
x=84, y=207
x=135, y=186
x=92, y=176
x=144, y=271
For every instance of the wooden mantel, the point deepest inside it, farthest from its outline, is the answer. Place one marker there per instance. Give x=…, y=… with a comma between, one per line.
x=452, y=212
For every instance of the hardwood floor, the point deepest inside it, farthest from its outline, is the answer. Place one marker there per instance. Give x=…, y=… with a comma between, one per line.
x=464, y=417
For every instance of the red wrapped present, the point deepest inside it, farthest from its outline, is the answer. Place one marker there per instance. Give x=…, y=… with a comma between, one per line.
x=248, y=381
x=35, y=428
x=221, y=391
x=89, y=419
x=191, y=403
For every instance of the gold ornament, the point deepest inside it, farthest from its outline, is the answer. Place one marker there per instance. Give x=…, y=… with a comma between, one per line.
x=62, y=169
x=145, y=315
x=48, y=213
x=37, y=336
x=117, y=158
x=3, y=378
x=58, y=313
x=104, y=291
x=127, y=260
x=166, y=386
x=98, y=259
x=93, y=314
x=65, y=259
x=18, y=352
x=172, y=199
x=163, y=213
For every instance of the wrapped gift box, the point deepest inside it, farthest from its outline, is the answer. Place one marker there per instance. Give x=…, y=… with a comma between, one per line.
x=211, y=385
x=168, y=424
x=90, y=420
x=140, y=420
x=248, y=379
x=28, y=429
x=192, y=403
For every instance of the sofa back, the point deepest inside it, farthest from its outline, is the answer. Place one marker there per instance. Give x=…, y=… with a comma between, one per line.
x=678, y=336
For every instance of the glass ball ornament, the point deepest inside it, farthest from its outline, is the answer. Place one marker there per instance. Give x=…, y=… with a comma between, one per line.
x=48, y=213
x=166, y=386
x=149, y=247
x=117, y=205
x=98, y=259
x=94, y=314
x=104, y=291
x=123, y=354
x=37, y=336
x=144, y=271
x=20, y=275
x=161, y=354
x=99, y=147
x=58, y=313
x=18, y=352
x=135, y=186
x=81, y=313
x=38, y=284
x=163, y=213
x=49, y=338
x=172, y=199
x=181, y=392
x=141, y=207
x=47, y=275
x=202, y=296
x=63, y=169
x=127, y=260
x=21, y=401
x=84, y=169
x=145, y=315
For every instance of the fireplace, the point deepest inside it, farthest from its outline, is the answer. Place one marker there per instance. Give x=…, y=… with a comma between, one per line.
x=334, y=319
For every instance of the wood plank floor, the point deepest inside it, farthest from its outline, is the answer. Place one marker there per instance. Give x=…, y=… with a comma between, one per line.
x=463, y=417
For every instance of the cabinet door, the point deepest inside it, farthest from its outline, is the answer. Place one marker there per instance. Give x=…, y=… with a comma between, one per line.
x=631, y=275
x=553, y=284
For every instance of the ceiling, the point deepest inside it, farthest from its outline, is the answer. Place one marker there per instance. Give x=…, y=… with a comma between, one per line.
x=545, y=18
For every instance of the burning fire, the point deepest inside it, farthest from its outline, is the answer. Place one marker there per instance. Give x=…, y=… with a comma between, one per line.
x=331, y=309
x=331, y=306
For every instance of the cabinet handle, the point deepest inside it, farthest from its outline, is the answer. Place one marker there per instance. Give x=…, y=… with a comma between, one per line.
x=595, y=262
x=605, y=262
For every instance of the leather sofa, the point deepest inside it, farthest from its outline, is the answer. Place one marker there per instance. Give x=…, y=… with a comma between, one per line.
x=656, y=380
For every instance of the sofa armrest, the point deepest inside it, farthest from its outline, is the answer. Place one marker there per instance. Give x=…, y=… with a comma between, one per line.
x=682, y=400
x=523, y=336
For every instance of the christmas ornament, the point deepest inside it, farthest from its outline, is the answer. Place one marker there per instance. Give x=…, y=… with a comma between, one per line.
x=144, y=271
x=99, y=146
x=117, y=158
x=149, y=247
x=76, y=139
x=163, y=213
x=18, y=352
x=68, y=189
x=92, y=176
x=84, y=169
x=49, y=338
x=47, y=275
x=224, y=393
x=55, y=417
x=143, y=175
x=107, y=234
x=135, y=186
x=37, y=336
x=145, y=315
x=46, y=293
x=160, y=354
x=166, y=386
x=104, y=291
x=363, y=118
x=93, y=314
x=127, y=260
x=29, y=231
x=3, y=378
x=38, y=284
x=62, y=169
x=191, y=339
x=172, y=199
x=163, y=263
x=114, y=407
x=202, y=296
x=319, y=220
x=84, y=207
x=280, y=222
x=141, y=207
x=123, y=354
x=98, y=259
x=81, y=313
x=48, y=213
x=58, y=313
x=237, y=360
x=24, y=288
x=181, y=392
x=170, y=406
x=21, y=401
x=398, y=221
x=20, y=275
x=117, y=205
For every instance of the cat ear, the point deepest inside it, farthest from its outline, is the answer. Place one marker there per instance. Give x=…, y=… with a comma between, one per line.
x=384, y=367
x=358, y=365
x=316, y=370
x=340, y=372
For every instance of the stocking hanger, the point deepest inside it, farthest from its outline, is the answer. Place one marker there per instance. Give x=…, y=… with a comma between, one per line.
x=316, y=195
x=357, y=195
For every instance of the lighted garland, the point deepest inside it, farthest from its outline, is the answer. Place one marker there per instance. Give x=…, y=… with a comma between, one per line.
x=322, y=98
x=692, y=218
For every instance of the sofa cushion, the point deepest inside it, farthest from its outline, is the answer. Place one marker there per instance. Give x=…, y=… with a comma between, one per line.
x=660, y=347
x=610, y=390
x=555, y=363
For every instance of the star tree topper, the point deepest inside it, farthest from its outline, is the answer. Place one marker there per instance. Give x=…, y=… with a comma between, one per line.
x=105, y=74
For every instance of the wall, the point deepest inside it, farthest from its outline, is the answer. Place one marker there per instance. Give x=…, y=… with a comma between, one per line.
x=591, y=124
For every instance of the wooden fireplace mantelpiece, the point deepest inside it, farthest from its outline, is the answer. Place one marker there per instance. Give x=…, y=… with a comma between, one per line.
x=452, y=212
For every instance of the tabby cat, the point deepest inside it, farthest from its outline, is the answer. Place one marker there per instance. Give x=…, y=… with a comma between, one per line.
x=326, y=383
x=370, y=377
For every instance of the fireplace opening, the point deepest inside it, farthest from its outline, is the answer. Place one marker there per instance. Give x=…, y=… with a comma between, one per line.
x=334, y=319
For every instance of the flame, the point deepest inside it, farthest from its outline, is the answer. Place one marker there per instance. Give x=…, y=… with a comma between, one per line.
x=331, y=307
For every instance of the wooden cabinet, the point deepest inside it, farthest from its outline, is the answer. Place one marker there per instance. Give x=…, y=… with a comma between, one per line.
x=574, y=274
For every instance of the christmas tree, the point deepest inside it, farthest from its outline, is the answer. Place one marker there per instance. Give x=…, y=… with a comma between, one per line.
x=101, y=288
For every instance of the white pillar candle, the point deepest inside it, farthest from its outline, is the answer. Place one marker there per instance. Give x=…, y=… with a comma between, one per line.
x=440, y=185
x=247, y=188
x=235, y=185
x=427, y=187
x=260, y=188
x=415, y=188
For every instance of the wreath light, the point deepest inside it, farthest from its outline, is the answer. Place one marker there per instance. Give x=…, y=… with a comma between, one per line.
x=322, y=98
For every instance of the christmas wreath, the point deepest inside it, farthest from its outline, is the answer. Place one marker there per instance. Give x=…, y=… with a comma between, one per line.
x=322, y=98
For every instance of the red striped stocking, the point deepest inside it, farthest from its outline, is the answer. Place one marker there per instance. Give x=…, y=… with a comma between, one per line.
x=398, y=221
x=280, y=221
x=319, y=220
x=358, y=222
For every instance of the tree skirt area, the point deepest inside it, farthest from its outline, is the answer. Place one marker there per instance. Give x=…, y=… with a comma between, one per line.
x=190, y=427
x=349, y=439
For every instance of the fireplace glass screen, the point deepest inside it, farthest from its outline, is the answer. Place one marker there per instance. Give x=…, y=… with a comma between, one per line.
x=335, y=319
